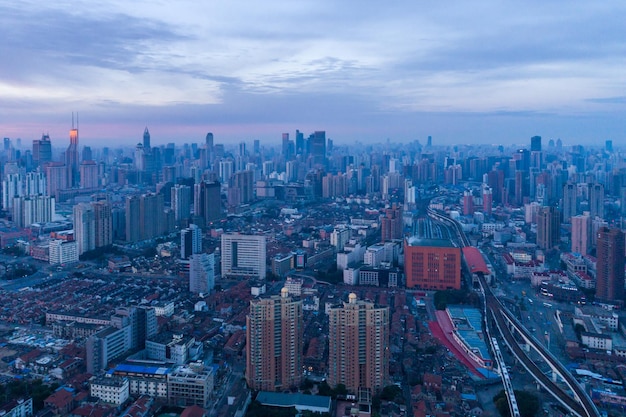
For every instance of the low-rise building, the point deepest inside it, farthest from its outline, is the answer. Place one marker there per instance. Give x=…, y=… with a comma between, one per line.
x=190, y=385
x=110, y=389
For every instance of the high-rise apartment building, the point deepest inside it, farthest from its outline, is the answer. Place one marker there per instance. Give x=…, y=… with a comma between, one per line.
x=241, y=188
x=596, y=200
x=133, y=219
x=570, y=201
x=151, y=207
x=487, y=200
x=243, y=256
x=581, y=233
x=56, y=174
x=89, y=175
x=548, y=227
x=432, y=264
x=103, y=219
x=391, y=223
x=84, y=227
x=181, y=202
x=358, y=354
x=190, y=241
x=32, y=209
x=274, y=335
x=201, y=273
x=610, y=266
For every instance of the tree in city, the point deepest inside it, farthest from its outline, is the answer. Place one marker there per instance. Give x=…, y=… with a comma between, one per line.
x=528, y=403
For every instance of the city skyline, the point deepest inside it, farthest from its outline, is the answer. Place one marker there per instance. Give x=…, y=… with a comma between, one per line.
x=488, y=74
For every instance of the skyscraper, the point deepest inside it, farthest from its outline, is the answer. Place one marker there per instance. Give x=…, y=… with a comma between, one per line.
x=209, y=141
x=535, y=144
x=243, y=256
x=207, y=201
x=84, y=227
x=201, y=272
x=581, y=233
x=548, y=227
x=274, y=343
x=146, y=139
x=570, y=201
x=181, y=202
x=89, y=175
x=103, y=220
x=487, y=200
x=596, y=200
x=610, y=266
x=42, y=150
x=391, y=223
x=190, y=241
x=133, y=219
x=56, y=173
x=358, y=354
x=72, y=158
x=318, y=145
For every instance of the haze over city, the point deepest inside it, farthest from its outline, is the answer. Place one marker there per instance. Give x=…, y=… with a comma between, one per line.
x=483, y=72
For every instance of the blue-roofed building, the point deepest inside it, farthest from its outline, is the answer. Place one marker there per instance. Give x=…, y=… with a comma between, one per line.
x=144, y=380
x=302, y=402
x=468, y=332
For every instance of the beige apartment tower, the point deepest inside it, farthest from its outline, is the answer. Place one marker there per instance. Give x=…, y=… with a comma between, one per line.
x=358, y=355
x=274, y=343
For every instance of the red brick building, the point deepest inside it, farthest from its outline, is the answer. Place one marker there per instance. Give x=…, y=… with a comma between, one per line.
x=432, y=264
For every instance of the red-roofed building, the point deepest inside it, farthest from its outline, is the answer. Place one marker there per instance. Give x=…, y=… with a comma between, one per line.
x=61, y=401
x=194, y=411
x=476, y=263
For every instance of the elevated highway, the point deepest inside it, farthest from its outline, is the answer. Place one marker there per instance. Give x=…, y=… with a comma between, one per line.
x=575, y=398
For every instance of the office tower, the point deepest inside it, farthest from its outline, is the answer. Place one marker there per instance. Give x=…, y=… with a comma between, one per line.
x=318, y=146
x=56, y=174
x=89, y=177
x=243, y=256
x=610, y=266
x=570, y=201
x=241, y=188
x=535, y=144
x=103, y=221
x=548, y=227
x=133, y=219
x=432, y=264
x=146, y=139
x=84, y=227
x=358, y=346
x=300, y=149
x=209, y=141
x=201, y=273
x=596, y=200
x=151, y=207
x=487, y=200
x=468, y=203
x=190, y=241
x=274, y=343
x=608, y=146
x=391, y=223
x=495, y=179
x=32, y=209
x=42, y=150
x=207, y=201
x=581, y=233
x=11, y=188
x=181, y=202
x=285, y=145
x=622, y=199
x=71, y=158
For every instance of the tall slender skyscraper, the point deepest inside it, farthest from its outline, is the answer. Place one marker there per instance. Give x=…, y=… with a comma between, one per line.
x=146, y=139
x=358, y=355
x=103, y=218
x=274, y=343
x=596, y=200
x=581, y=233
x=610, y=266
x=72, y=158
x=570, y=201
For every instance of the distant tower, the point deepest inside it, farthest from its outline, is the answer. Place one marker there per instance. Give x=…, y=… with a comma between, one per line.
x=570, y=201
x=181, y=202
x=42, y=150
x=146, y=139
x=610, y=265
x=468, y=203
x=487, y=200
x=190, y=241
x=358, y=345
x=71, y=156
x=535, y=144
x=596, y=201
x=429, y=141
x=274, y=335
x=209, y=141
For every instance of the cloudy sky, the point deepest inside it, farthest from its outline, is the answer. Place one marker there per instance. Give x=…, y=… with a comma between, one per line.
x=461, y=71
